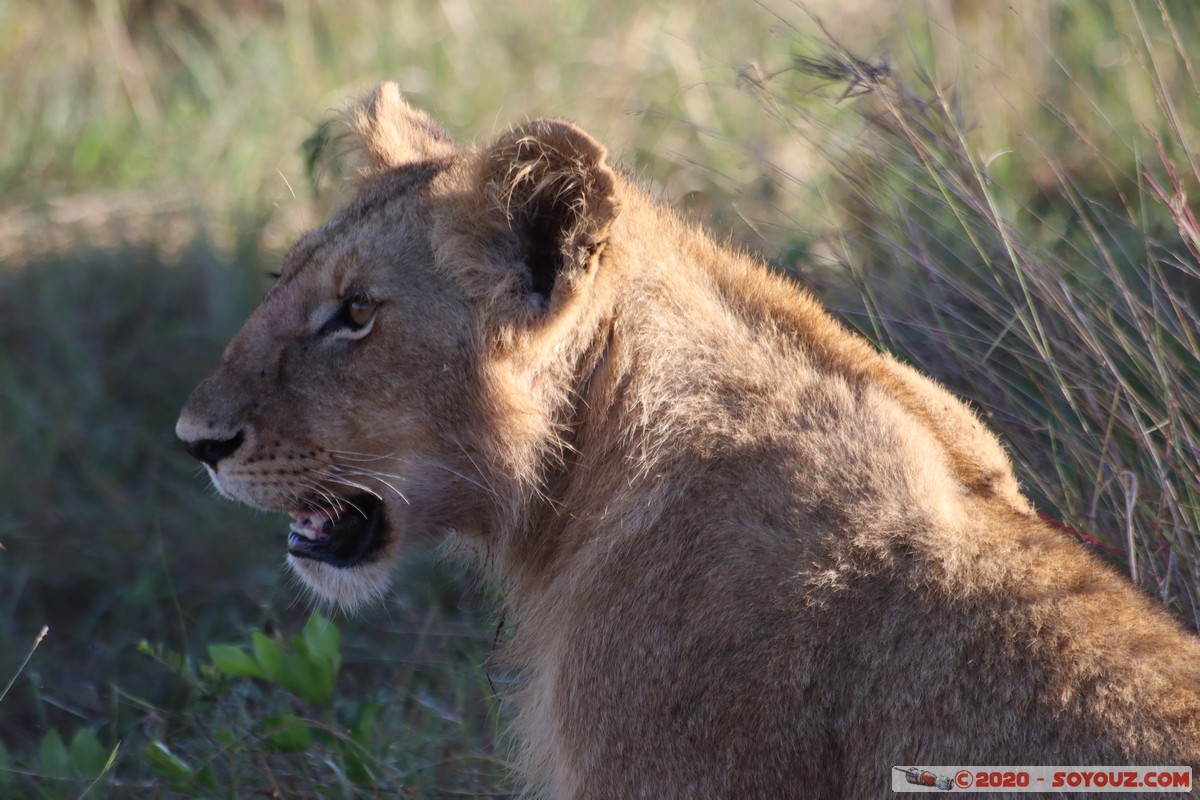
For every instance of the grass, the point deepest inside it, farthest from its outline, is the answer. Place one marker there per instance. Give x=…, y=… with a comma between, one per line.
x=195, y=89
x=998, y=195
x=1060, y=297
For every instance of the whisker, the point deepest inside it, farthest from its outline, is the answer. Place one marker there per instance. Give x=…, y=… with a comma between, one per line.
x=295, y=495
x=329, y=497
x=336, y=500
x=373, y=475
x=482, y=483
x=469, y=480
x=344, y=480
x=349, y=455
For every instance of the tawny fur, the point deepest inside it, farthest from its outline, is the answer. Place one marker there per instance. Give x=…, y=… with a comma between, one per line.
x=746, y=554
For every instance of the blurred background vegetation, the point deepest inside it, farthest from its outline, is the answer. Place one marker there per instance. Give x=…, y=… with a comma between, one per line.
x=998, y=192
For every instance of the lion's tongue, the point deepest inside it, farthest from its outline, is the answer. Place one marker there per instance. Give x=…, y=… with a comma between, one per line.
x=314, y=525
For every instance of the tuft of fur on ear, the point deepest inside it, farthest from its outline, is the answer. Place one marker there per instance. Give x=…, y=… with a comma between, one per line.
x=393, y=133
x=554, y=192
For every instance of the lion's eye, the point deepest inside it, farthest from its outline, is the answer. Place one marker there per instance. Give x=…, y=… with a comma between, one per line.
x=359, y=311
x=354, y=318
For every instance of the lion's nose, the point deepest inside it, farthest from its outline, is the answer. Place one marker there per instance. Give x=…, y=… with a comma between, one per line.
x=210, y=451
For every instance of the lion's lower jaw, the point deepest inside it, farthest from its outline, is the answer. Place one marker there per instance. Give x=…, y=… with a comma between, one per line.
x=348, y=588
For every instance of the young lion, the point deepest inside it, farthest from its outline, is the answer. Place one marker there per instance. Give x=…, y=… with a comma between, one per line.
x=747, y=554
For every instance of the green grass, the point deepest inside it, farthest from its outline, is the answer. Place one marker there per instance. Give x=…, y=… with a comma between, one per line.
x=216, y=102
x=996, y=195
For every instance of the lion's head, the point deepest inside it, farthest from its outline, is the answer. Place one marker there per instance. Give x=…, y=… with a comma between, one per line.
x=393, y=382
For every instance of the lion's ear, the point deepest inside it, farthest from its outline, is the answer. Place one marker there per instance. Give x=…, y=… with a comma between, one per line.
x=393, y=133
x=554, y=194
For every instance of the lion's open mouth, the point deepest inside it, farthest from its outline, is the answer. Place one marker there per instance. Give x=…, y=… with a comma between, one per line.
x=345, y=533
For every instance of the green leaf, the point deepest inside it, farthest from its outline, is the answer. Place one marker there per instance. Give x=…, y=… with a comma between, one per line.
x=166, y=764
x=268, y=654
x=209, y=673
x=178, y=663
x=358, y=749
x=306, y=678
x=356, y=762
x=323, y=640
x=52, y=756
x=286, y=733
x=364, y=723
x=87, y=755
x=207, y=778
x=234, y=661
x=310, y=671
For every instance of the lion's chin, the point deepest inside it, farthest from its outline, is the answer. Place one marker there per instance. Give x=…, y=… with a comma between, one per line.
x=349, y=588
x=337, y=549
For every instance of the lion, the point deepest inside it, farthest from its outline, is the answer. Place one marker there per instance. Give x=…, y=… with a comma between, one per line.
x=746, y=553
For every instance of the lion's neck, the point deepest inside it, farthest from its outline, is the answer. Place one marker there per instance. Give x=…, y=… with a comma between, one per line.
x=670, y=377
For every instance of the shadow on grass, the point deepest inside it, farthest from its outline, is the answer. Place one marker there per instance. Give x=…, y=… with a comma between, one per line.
x=108, y=534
